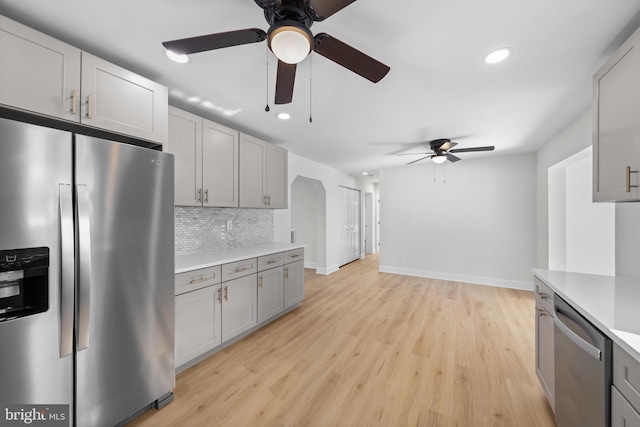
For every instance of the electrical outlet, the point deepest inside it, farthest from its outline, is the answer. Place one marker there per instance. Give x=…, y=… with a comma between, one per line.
x=229, y=225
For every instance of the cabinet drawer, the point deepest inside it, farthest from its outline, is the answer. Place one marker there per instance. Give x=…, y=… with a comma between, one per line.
x=270, y=261
x=622, y=413
x=239, y=269
x=196, y=279
x=626, y=375
x=543, y=293
x=293, y=255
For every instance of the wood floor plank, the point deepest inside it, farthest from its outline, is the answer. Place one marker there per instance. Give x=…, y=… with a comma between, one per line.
x=374, y=349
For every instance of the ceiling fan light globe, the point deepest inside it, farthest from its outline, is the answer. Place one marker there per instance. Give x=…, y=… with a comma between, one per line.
x=439, y=159
x=290, y=43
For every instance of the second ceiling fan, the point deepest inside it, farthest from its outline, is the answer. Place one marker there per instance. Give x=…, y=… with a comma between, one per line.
x=290, y=39
x=442, y=150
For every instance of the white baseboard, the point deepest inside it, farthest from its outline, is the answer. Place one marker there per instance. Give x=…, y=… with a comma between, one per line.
x=309, y=264
x=327, y=270
x=478, y=280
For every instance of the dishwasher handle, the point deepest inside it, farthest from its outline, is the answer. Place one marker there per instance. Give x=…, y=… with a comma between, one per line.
x=587, y=347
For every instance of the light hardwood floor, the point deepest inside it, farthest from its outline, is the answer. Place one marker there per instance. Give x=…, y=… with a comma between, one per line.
x=374, y=349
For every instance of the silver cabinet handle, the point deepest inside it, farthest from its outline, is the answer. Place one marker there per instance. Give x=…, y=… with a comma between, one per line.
x=226, y=293
x=89, y=108
x=66, y=285
x=272, y=261
x=576, y=339
x=286, y=272
x=295, y=255
x=260, y=281
x=74, y=102
x=628, y=175
x=241, y=269
x=84, y=277
x=206, y=195
x=201, y=279
x=219, y=294
x=200, y=195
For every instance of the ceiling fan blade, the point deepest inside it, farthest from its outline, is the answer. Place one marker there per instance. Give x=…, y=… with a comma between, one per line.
x=215, y=41
x=411, y=154
x=437, y=144
x=269, y=4
x=448, y=145
x=468, y=150
x=349, y=57
x=284, y=82
x=416, y=161
x=322, y=9
x=452, y=158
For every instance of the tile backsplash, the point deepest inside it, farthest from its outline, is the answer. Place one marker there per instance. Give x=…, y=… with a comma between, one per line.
x=205, y=229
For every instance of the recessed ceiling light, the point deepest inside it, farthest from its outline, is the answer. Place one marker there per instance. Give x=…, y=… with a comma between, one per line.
x=283, y=116
x=365, y=173
x=176, y=57
x=497, y=55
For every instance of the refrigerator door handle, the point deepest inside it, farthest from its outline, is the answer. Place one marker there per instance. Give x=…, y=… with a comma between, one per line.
x=84, y=274
x=65, y=196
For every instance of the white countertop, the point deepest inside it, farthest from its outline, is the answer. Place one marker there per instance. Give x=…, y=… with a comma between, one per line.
x=612, y=304
x=191, y=262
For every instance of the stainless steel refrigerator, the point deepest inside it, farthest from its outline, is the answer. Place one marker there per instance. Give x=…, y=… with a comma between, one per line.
x=86, y=275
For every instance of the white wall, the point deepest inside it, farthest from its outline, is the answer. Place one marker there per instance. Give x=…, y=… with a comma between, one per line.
x=305, y=217
x=331, y=179
x=478, y=227
x=574, y=138
x=581, y=232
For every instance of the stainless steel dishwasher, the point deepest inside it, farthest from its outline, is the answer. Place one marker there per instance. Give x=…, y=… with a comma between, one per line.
x=583, y=358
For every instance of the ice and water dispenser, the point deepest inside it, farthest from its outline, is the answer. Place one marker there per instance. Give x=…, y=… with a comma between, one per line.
x=24, y=282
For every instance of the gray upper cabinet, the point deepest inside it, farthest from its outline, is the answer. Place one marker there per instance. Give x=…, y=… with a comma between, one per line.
x=117, y=99
x=206, y=160
x=37, y=72
x=263, y=174
x=220, y=164
x=616, y=121
x=46, y=76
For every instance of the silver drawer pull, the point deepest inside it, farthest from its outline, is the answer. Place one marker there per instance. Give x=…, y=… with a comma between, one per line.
x=272, y=261
x=295, y=256
x=201, y=279
x=241, y=269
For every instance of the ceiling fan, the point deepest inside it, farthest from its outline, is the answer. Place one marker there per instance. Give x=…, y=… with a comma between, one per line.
x=290, y=39
x=442, y=150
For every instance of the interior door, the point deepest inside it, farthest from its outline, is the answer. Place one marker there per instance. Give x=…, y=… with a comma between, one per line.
x=125, y=291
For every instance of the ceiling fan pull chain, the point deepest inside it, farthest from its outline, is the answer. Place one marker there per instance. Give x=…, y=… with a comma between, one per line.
x=310, y=88
x=444, y=174
x=434, y=172
x=267, y=107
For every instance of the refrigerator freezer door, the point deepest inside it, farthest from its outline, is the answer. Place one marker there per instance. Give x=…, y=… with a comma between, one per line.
x=34, y=162
x=129, y=322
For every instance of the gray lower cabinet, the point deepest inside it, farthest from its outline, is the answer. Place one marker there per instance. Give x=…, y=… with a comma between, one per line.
x=270, y=293
x=293, y=283
x=239, y=306
x=198, y=323
x=545, y=363
x=625, y=391
x=214, y=305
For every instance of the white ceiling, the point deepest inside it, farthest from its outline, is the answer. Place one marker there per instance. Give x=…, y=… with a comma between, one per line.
x=438, y=85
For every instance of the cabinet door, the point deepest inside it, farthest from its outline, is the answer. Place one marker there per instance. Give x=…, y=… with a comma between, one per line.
x=545, y=367
x=270, y=293
x=616, y=143
x=185, y=142
x=293, y=283
x=37, y=72
x=622, y=413
x=219, y=165
x=277, y=177
x=121, y=101
x=253, y=159
x=239, y=306
x=198, y=323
